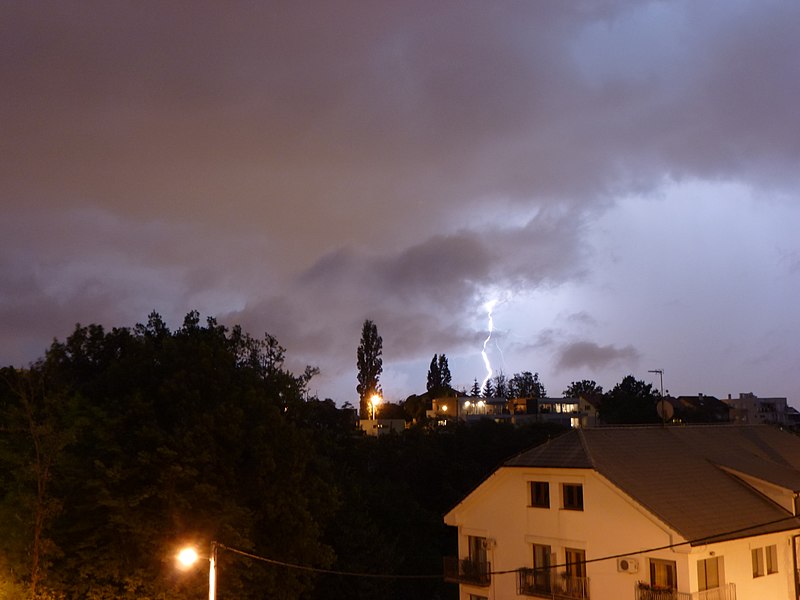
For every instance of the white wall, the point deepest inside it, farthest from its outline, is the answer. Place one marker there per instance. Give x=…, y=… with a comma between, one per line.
x=610, y=524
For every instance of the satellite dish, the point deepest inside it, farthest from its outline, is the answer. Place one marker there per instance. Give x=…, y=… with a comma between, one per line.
x=665, y=409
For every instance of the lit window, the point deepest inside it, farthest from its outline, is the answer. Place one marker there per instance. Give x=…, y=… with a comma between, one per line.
x=540, y=494
x=576, y=562
x=572, y=495
x=663, y=573
x=758, y=561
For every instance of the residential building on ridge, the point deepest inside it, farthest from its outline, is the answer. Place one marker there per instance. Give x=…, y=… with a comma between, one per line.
x=693, y=512
x=749, y=408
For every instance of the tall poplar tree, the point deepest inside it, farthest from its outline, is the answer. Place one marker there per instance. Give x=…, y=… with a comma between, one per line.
x=370, y=366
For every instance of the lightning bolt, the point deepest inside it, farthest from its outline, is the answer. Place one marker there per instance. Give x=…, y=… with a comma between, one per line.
x=488, y=307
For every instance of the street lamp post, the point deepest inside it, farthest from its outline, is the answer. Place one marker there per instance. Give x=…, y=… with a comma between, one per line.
x=188, y=556
x=212, y=572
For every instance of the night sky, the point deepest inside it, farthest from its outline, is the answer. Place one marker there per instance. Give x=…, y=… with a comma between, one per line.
x=621, y=177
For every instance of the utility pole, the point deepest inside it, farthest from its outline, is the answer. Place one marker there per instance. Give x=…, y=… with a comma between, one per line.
x=661, y=377
x=662, y=404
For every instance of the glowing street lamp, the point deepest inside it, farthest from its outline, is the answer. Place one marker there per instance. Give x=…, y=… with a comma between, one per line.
x=374, y=401
x=187, y=557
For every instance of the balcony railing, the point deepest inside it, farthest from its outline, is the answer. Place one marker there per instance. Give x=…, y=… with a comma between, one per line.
x=467, y=571
x=547, y=583
x=646, y=592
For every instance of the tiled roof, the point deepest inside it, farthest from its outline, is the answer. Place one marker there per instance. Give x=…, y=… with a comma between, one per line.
x=677, y=472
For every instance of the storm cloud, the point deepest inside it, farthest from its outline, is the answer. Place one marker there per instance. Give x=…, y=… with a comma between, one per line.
x=299, y=168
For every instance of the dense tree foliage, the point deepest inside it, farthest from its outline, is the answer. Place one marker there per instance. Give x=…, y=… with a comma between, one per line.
x=370, y=366
x=630, y=401
x=139, y=440
x=439, y=377
x=500, y=385
x=120, y=446
x=526, y=385
x=586, y=388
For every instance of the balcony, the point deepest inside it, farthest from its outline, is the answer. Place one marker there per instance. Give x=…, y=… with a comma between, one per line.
x=645, y=591
x=549, y=584
x=467, y=571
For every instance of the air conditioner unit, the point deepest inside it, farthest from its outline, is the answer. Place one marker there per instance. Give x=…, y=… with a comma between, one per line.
x=627, y=565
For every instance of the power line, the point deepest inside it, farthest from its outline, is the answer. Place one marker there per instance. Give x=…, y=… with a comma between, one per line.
x=326, y=571
x=702, y=540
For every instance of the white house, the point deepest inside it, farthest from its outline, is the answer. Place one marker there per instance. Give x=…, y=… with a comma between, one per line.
x=749, y=408
x=636, y=513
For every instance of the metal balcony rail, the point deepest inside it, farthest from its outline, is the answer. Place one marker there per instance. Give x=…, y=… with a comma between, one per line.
x=645, y=591
x=547, y=583
x=466, y=570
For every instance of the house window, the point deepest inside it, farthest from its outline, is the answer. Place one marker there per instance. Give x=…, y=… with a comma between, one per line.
x=757, y=555
x=771, y=553
x=476, y=597
x=572, y=495
x=663, y=573
x=541, y=567
x=477, y=549
x=540, y=494
x=576, y=562
x=708, y=573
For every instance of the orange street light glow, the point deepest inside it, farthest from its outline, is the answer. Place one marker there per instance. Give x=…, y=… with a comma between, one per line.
x=187, y=557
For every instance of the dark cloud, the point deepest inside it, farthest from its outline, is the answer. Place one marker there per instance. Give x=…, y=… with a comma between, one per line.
x=301, y=168
x=589, y=355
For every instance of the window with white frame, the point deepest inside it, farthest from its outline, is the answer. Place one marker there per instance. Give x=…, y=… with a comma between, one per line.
x=771, y=555
x=576, y=562
x=709, y=573
x=757, y=556
x=764, y=557
x=663, y=573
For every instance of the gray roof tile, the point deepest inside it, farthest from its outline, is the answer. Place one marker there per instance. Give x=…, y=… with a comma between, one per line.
x=675, y=473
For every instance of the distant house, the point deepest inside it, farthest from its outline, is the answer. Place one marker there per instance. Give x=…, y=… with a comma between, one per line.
x=569, y=412
x=699, y=409
x=749, y=408
x=636, y=513
x=379, y=427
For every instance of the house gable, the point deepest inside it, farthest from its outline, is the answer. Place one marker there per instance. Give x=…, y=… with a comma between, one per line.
x=675, y=473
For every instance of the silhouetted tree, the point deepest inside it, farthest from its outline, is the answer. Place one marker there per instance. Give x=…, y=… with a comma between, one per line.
x=475, y=390
x=500, y=386
x=585, y=388
x=370, y=366
x=444, y=372
x=631, y=401
x=439, y=377
x=434, y=376
x=526, y=385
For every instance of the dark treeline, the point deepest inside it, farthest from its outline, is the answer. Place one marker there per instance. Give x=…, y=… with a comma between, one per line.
x=118, y=447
